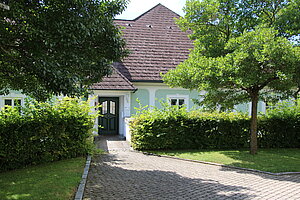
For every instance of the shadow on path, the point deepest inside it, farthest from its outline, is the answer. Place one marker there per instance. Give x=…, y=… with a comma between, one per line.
x=288, y=178
x=109, y=179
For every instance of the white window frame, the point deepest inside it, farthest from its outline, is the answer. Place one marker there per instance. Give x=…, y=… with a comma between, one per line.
x=13, y=101
x=177, y=96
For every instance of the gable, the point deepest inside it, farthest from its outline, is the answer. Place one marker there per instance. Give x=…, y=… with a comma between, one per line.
x=156, y=45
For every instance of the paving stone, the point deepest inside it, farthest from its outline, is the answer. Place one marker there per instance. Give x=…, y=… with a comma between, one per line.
x=126, y=174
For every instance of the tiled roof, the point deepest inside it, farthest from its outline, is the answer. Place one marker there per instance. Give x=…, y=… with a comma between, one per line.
x=156, y=44
x=116, y=81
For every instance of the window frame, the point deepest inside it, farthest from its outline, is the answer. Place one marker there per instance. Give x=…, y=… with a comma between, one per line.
x=13, y=99
x=178, y=97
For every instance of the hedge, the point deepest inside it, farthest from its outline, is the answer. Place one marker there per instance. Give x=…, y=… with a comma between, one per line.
x=44, y=132
x=175, y=128
x=280, y=126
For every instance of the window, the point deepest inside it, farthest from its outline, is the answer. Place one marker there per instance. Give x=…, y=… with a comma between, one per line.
x=112, y=107
x=178, y=100
x=14, y=102
x=104, y=107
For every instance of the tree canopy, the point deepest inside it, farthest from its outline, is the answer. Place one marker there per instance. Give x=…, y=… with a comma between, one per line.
x=54, y=47
x=243, y=51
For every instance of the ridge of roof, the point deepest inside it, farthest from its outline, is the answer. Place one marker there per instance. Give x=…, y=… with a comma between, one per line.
x=138, y=17
x=159, y=4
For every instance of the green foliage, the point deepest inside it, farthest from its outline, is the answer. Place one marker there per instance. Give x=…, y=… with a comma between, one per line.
x=214, y=22
x=258, y=58
x=172, y=127
x=240, y=49
x=45, y=132
x=53, y=47
x=280, y=126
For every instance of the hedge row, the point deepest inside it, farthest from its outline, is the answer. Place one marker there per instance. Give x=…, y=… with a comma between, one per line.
x=280, y=127
x=41, y=132
x=175, y=128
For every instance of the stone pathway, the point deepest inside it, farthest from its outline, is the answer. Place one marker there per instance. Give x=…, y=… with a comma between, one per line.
x=125, y=174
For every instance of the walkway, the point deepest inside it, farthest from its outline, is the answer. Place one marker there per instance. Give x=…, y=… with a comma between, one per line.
x=125, y=174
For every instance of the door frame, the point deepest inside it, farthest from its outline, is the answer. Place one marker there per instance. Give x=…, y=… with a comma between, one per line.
x=117, y=113
x=124, y=108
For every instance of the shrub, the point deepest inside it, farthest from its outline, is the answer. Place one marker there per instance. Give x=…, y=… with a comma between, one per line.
x=172, y=127
x=45, y=132
x=175, y=128
x=280, y=126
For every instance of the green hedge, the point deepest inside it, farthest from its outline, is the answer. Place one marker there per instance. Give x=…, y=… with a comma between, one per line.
x=44, y=132
x=175, y=128
x=280, y=126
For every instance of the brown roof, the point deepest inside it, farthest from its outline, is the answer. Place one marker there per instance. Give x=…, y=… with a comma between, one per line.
x=115, y=81
x=156, y=44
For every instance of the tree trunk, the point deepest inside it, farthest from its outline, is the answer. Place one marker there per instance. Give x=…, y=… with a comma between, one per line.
x=295, y=95
x=253, y=128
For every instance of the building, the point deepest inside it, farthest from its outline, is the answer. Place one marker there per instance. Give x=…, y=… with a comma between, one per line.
x=156, y=45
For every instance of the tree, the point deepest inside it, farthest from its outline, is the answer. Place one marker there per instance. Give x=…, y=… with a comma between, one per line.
x=54, y=47
x=241, y=52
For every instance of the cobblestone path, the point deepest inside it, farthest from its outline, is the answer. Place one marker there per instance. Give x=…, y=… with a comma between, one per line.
x=125, y=174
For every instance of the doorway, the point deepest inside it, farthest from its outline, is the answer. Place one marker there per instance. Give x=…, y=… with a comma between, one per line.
x=109, y=119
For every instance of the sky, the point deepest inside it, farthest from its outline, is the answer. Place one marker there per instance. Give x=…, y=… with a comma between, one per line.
x=137, y=7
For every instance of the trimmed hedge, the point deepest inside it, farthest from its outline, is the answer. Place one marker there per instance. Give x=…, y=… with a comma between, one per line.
x=175, y=128
x=280, y=126
x=44, y=133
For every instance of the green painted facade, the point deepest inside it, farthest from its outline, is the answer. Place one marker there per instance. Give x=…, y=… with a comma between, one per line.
x=16, y=92
x=162, y=94
x=242, y=107
x=141, y=95
x=245, y=107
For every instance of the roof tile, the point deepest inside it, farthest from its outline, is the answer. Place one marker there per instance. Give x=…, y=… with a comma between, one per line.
x=115, y=81
x=156, y=48
x=156, y=45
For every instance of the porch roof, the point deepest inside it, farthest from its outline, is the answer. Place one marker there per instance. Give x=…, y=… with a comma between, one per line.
x=115, y=81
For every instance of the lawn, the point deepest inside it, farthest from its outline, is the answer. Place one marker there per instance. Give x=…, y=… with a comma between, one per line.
x=270, y=160
x=57, y=180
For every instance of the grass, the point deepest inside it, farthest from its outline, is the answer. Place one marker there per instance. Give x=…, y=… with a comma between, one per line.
x=57, y=180
x=270, y=160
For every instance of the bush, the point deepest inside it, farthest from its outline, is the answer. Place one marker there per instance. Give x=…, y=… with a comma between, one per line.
x=280, y=126
x=45, y=132
x=173, y=127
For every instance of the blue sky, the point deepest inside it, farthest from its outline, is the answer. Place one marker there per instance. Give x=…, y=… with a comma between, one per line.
x=137, y=7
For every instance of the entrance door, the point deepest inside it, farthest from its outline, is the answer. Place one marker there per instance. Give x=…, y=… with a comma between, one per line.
x=109, y=121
